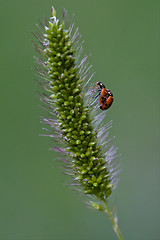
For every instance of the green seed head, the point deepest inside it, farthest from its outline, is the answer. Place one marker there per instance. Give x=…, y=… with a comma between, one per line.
x=75, y=121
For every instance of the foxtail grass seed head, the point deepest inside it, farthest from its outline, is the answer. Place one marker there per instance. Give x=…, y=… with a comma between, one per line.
x=75, y=119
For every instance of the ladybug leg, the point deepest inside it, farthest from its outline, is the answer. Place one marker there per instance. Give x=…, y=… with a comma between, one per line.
x=96, y=89
x=97, y=95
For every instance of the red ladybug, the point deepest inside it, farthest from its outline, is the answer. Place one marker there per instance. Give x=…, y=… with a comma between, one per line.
x=106, y=97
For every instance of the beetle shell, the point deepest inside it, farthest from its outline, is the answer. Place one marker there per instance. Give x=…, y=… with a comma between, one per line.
x=103, y=96
x=107, y=103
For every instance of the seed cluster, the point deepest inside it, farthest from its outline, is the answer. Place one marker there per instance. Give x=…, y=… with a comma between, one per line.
x=73, y=118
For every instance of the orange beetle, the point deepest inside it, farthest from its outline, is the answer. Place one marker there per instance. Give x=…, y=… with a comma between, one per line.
x=106, y=97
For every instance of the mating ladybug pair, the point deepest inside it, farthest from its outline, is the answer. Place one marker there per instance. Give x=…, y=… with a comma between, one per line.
x=106, y=97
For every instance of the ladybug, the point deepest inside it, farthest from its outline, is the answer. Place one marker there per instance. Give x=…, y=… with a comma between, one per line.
x=106, y=97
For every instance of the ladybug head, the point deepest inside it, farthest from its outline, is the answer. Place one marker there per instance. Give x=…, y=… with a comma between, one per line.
x=101, y=85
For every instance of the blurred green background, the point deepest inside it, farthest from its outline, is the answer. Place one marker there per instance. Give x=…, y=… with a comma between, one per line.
x=123, y=38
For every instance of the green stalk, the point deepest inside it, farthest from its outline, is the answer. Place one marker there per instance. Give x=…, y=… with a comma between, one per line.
x=113, y=220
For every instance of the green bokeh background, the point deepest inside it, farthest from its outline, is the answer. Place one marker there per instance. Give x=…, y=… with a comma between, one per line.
x=123, y=39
